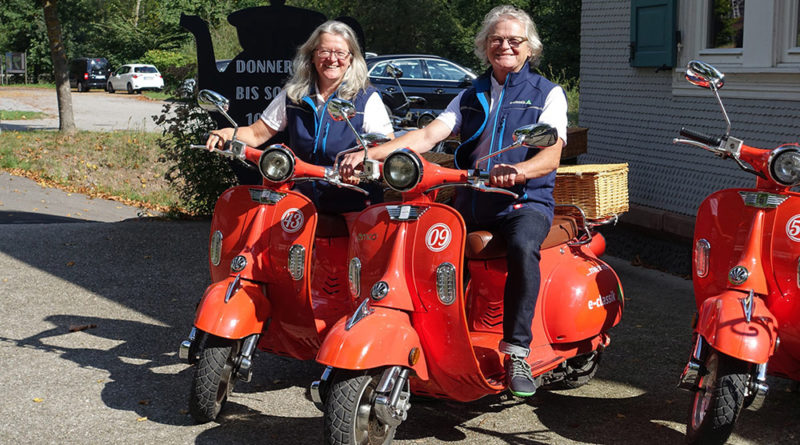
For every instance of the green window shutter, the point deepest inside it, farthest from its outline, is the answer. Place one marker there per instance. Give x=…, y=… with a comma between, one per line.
x=653, y=33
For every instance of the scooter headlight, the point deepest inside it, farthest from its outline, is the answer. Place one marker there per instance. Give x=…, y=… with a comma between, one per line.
x=276, y=164
x=402, y=170
x=784, y=165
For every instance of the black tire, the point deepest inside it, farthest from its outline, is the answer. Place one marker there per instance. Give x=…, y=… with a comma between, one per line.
x=349, y=414
x=580, y=370
x=110, y=88
x=130, y=88
x=719, y=400
x=213, y=379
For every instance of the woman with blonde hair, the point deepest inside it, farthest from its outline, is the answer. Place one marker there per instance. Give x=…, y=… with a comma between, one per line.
x=328, y=65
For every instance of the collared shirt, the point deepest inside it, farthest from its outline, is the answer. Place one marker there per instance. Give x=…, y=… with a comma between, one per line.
x=376, y=119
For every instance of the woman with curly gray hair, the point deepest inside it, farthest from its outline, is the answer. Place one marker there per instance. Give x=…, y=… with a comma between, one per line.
x=508, y=95
x=328, y=65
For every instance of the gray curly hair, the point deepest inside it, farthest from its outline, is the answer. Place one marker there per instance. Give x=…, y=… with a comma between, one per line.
x=305, y=75
x=506, y=12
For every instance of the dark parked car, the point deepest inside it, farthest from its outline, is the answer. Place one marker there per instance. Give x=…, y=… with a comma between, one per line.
x=433, y=78
x=86, y=73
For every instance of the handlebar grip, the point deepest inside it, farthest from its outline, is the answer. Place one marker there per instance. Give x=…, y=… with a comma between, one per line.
x=701, y=137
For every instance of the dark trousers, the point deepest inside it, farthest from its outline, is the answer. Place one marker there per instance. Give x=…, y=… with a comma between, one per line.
x=524, y=230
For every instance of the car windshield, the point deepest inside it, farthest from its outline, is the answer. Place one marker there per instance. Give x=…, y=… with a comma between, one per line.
x=98, y=65
x=145, y=69
x=412, y=68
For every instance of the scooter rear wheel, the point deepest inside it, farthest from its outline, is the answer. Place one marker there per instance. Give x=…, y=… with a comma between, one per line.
x=213, y=379
x=349, y=411
x=717, y=403
x=580, y=370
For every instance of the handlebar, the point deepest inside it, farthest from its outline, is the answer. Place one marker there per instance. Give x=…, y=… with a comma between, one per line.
x=701, y=137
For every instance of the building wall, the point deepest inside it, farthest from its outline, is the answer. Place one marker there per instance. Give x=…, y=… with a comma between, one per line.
x=632, y=116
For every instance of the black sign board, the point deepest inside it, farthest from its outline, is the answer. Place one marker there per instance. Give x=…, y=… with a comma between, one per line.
x=269, y=37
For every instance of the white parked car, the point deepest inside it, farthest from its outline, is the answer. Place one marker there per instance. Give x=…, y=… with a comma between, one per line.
x=135, y=77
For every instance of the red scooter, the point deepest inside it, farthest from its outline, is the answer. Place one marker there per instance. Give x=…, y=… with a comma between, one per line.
x=746, y=280
x=278, y=270
x=428, y=325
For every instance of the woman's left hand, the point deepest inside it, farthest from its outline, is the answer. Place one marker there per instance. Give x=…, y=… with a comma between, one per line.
x=350, y=163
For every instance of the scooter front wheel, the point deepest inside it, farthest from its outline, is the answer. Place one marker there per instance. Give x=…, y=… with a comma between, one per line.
x=350, y=417
x=718, y=401
x=213, y=380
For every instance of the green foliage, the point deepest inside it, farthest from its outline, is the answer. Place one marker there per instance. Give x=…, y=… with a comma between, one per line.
x=174, y=66
x=198, y=175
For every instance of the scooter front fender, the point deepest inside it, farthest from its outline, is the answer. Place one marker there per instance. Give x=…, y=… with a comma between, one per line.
x=243, y=314
x=722, y=322
x=385, y=337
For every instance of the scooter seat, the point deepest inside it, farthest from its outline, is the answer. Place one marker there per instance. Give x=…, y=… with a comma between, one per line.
x=331, y=226
x=483, y=245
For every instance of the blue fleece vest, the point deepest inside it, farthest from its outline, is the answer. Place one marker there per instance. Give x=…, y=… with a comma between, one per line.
x=521, y=103
x=316, y=138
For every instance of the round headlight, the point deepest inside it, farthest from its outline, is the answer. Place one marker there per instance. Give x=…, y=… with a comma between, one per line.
x=276, y=164
x=784, y=165
x=402, y=170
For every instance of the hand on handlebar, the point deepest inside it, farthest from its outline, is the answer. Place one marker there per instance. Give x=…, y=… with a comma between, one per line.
x=351, y=162
x=218, y=138
x=504, y=175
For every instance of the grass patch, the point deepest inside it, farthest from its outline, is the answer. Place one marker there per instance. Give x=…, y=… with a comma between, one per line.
x=17, y=115
x=126, y=166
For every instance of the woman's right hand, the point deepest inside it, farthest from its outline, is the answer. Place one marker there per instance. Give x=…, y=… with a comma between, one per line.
x=217, y=138
x=347, y=168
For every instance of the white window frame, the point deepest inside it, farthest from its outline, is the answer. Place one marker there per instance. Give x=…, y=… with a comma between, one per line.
x=768, y=64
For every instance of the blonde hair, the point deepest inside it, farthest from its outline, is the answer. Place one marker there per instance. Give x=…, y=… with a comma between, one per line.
x=305, y=75
x=508, y=12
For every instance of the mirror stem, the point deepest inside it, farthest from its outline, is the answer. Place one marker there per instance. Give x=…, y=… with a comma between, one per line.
x=722, y=107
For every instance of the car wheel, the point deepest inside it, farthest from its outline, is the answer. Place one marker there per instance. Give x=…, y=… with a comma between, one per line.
x=130, y=88
x=110, y=88
x=81, y=87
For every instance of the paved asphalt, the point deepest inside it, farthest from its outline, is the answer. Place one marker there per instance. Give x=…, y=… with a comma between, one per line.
x=96, y=299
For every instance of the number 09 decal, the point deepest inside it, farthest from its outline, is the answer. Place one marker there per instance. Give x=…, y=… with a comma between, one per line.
x=793, y=228
x=292, y=220
x=438, y=237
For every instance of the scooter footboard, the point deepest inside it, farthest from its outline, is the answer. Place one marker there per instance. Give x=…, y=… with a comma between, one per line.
x=232, y=308
x=384, y=337
x=722, y=321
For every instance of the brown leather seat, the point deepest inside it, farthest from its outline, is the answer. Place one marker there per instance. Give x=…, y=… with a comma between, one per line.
x=482, y=245
x=331, y=226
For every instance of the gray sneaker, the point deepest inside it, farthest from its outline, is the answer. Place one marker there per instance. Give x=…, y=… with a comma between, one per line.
x=518, y=377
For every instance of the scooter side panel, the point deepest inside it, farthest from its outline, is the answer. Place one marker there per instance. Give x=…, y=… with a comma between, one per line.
x=723, y=324
x=243, y=314
x=384, y=337
x=373, y=241
x=581, y=296
x=725, y=222
x=785, y=262
x=293, y=329
x=438, y=238
x=236, y=215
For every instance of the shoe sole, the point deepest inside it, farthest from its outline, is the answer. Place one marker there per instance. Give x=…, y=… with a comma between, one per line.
x=522, y=394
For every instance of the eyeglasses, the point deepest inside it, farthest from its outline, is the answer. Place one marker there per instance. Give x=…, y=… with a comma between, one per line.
x=325, y=53
x=514, y=42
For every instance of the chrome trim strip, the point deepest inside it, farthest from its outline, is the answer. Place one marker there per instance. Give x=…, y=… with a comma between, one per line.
x=266, y=196
x=762, y=200
x=232, y=288
x=405, y=212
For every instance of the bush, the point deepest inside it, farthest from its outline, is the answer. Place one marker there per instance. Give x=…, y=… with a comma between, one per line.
x=174, y=66
x=198, y=175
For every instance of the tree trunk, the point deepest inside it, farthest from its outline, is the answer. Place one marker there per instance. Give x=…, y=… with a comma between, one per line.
x=59, y=56
x=136, y=14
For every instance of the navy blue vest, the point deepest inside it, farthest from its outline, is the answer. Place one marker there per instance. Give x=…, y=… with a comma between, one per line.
x=316, y=138
x=521, y=103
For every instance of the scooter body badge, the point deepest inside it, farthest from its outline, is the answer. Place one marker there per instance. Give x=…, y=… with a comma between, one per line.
x=738, y=275
x=292, y=220
x=438, y=237
x=238, y=263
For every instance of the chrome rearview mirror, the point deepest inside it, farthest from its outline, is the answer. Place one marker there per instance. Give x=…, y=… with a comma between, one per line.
x=535, y=135
x=393, y=70
x=212, y=101
x=341, y=110
x=704, y=75
x=529, y=136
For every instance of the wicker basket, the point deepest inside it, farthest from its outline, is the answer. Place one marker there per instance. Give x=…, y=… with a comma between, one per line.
x=601, y=190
